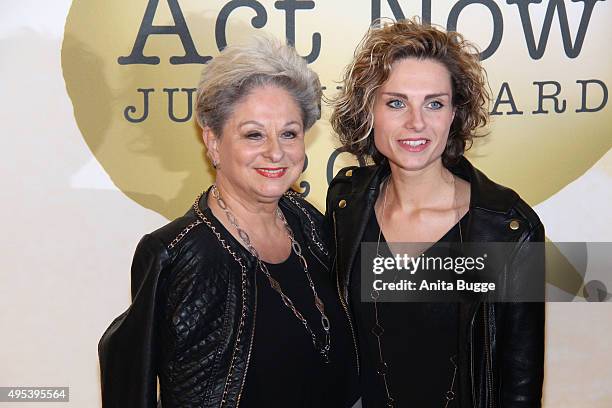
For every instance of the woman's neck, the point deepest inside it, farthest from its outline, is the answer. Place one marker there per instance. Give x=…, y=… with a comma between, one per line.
x=258, y=218
x=431, y=187
x=249, y=212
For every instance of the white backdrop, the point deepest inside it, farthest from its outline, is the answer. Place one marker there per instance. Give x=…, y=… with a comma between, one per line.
x=69, y=235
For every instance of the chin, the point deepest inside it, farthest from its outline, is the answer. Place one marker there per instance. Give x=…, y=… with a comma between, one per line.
x=272, y=192
x=411, y=165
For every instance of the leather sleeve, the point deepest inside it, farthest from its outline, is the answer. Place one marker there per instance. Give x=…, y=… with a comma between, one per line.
x=522, y=343
x=200, y=318
x=128, y=348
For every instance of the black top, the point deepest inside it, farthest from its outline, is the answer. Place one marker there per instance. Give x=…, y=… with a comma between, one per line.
x=418, y=342
x=285, y=370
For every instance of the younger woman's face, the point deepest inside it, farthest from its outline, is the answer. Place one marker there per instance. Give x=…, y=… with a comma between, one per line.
x=413, y=113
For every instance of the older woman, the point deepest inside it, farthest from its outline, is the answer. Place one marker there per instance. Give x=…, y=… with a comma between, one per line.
x=413, y=98
x=232, y=303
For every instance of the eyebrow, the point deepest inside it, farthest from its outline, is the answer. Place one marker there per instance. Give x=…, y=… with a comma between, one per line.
x=256, y=123
x=428, y=96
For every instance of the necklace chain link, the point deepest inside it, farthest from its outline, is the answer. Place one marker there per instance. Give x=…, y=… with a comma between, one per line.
x=322, y=347
x=378, y=330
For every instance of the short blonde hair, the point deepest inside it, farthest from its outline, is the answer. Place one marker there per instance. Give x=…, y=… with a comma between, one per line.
x=239, y=69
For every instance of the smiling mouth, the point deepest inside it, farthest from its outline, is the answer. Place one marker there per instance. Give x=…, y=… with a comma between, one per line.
x=272, y=172
x=414, y=145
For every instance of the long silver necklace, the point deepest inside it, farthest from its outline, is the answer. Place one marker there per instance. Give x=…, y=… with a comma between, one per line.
x=321, y=347
x=378, y=331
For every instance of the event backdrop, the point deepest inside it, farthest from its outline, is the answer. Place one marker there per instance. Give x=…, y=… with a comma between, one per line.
x=101, y=147
x=131, y=69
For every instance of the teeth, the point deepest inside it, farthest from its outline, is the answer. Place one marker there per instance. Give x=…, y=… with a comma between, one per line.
x=272, y=171
x=414, y=143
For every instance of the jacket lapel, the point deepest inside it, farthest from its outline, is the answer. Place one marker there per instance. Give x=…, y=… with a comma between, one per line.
x=359, y=200
x=485, y=197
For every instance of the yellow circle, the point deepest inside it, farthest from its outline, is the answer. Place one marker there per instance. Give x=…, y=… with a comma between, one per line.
x=159, y=163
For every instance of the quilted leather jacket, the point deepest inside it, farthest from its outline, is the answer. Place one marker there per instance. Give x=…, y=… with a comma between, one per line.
x=501, y=345
x=191, y=322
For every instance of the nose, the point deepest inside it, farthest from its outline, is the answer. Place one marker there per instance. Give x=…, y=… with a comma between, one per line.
x=414, y=119
x=274, y=150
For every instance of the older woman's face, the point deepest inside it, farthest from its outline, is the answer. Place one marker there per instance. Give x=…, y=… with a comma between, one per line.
x=261, y=149
x=413, y=113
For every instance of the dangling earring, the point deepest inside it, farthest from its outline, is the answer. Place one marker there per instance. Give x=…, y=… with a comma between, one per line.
x=215, y=164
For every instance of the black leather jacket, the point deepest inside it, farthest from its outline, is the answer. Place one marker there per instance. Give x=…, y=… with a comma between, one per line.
x=501, y=345
x=192, y=317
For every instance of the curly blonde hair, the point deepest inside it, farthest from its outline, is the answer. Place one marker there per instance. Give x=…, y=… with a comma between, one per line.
x=352, y=117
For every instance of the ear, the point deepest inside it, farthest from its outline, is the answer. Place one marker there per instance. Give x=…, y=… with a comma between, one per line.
x=211, y=140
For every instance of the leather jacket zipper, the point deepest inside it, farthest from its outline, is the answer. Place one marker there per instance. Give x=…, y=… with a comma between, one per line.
x=348, y=317
x=230, y=372
x=318, y=259
x=243, y=277
x=487, y=349
x=472, y=359
x=487, y=355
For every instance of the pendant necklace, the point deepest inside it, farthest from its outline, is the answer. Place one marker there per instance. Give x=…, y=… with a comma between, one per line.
x=377, y=330
x=322, y=347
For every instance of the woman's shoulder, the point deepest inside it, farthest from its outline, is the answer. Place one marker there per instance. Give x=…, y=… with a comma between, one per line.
x=157, y=250
x=170, y=234
x=356, y=178
x=527, y=213
x=191, y=251
x=192, y=234
x=504, y=203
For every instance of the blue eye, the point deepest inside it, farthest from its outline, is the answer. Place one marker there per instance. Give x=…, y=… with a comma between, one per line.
x=435, y=105
x=396, y=104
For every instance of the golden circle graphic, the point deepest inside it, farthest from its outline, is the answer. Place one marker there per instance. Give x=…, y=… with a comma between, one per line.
x=131, y=67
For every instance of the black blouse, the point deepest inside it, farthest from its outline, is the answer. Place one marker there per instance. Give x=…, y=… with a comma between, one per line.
x=419, y=342
x=285, y=370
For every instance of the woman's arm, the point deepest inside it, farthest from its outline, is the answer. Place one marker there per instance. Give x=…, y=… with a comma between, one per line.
x=128, y=349
x=522, y=339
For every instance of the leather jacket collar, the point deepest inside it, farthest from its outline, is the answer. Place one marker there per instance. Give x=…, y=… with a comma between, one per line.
x=364, y=189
